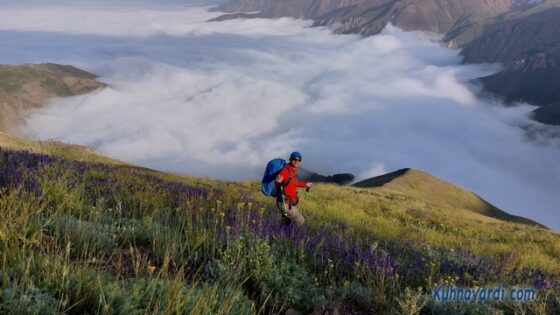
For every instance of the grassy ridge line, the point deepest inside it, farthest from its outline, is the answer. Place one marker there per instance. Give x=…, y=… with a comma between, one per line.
x=431, y=189
x=56, y=148
x=83, y=153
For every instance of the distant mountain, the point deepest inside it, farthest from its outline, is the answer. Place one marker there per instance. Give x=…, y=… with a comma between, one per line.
x=340, y=179
x=527, y=43
x=459, y=20
x=521, y=34
x=29, y=86
x=433, y=190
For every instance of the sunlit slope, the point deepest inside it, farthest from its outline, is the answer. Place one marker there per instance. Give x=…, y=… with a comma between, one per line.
x=393, y=217
x=29, y=86
x=84, y=237
x=407, y=205
x=437, y=193
x=82, y=153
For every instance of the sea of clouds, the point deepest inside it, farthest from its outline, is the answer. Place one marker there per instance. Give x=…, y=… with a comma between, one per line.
x=220, y=99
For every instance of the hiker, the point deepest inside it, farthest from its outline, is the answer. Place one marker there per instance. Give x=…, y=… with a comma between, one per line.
x=287, y=184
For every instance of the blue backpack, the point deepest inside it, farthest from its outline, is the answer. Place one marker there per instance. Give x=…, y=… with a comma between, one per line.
x=268, y=184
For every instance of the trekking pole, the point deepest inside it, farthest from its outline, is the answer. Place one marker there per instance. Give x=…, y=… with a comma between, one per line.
x=282, y=200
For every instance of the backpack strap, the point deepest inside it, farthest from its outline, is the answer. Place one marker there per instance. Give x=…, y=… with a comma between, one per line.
x=288, y=181
x=291, y=176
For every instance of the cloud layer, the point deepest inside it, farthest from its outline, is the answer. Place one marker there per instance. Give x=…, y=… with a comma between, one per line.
x=221, y=99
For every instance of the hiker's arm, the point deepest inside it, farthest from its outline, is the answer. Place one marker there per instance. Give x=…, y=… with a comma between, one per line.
x=301, y=184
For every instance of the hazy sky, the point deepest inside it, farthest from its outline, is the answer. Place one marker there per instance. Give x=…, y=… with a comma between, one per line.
x=221, y=99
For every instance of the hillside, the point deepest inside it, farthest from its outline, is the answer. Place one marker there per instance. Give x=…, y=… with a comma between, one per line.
x=459, y=20
x=29, y=86
x=64, y=150
x=438, y=193
x=528, y=46
x=80, y=236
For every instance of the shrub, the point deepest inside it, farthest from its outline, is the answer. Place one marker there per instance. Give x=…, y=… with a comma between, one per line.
x=85, y=237
x=27, y=300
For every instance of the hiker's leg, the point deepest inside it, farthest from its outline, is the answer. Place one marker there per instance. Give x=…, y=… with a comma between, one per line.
x=295, y=215
x=283, y=207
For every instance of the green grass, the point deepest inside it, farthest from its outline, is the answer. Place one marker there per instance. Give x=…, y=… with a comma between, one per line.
x=104, y=237
x=438, y=193
x=56, y=87
x=10, y=82
x=393, y=215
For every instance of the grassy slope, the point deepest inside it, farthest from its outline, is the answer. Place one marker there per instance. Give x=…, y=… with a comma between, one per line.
x=396, y=218
x=418, y=207
x=83, y=153
x=66, y=151
x=437, y=192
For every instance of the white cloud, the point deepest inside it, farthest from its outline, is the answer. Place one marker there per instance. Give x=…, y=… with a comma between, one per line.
x=375, y=170
x=221, y=99
x=137, y=21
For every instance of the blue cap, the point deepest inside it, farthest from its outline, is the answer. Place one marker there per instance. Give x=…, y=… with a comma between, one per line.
x=294, y=155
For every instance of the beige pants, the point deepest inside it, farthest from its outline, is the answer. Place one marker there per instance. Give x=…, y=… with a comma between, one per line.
x=295, y=215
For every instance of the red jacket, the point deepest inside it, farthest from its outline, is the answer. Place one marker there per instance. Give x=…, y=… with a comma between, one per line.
x=291, y=185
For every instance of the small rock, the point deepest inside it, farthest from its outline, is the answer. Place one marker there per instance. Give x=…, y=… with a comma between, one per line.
x=291, y=311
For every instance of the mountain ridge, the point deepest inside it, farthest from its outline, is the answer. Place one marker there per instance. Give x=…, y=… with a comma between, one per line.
x=432, y=189
x=528, y=46
x=29, y=86
x=369, y=17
